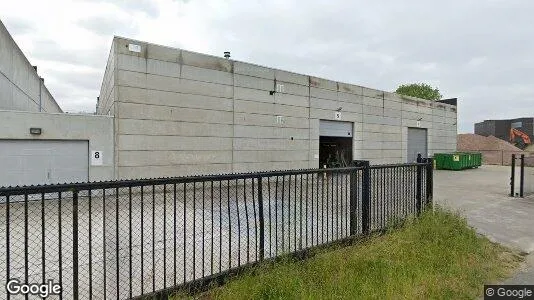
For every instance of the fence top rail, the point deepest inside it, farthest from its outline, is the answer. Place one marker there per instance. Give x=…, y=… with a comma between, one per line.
x=82, y=186
x=407, y=165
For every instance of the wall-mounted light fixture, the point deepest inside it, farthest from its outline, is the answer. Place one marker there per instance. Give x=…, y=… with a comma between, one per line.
x=35, y=131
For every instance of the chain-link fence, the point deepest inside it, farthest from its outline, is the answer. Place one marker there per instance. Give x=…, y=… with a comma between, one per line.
x=124, y=239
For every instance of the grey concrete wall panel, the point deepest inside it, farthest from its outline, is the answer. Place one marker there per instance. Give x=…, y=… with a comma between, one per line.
x=372, y=136
x=393, y=146
x=170, y=158
x=131, y=63
x=173, y=170
x=323, y=83
x=24, y=91
x=269, y=144
x=173, y=128
x=200, y=74
x=254, y=83
x=289, y=110
x=269, y=120
x=206, y=61
x=335, y=128
x=253, y=95
x=162, y=113
x=291, y=88
x=372, y=93
x=253, y=70
x=290, y=77
x=392, y=105
x=186, y=86
x=350, y=98
x=172, y=99
x=392, y=113
x=323, y=94
x=330, y=115
x=373, y=110
x=6, y=52
x=156, y=143
x=291, y=100
x=163, y=68
x=334, y=105
x=162, y=53
x=269, y=156
x=6, y=93
x=132, y=79
x=350, y=88
x=368, y=101
x=269, y=166
x=253, y=107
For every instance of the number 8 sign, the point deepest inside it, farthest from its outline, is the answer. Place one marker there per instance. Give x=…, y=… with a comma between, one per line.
x=96, y=158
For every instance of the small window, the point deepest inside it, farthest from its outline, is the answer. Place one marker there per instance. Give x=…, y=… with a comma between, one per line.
x=517, y=124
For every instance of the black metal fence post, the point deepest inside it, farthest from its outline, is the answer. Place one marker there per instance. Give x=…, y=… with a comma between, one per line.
x=512, y=176
x=262, y=221
x=522, y=178
x=352, y=203
x=75, y=268
x=429, y=181
x=366, y=197
x=419, y=192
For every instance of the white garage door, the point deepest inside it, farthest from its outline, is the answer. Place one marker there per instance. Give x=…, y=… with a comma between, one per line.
x=335, y=128
x=26, y=162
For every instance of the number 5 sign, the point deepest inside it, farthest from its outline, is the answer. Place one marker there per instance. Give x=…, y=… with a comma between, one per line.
x=96, y=158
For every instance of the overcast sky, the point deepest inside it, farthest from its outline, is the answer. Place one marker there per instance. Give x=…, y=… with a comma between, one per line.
x=481, y=51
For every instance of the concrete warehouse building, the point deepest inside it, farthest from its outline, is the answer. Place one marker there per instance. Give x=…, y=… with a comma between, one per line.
x=178, y=112
x=171, y=112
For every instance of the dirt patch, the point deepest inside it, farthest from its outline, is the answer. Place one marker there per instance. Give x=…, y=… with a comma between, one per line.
x=494, y=150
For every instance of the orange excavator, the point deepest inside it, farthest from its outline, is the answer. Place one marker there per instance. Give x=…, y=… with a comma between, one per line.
x=523, y=142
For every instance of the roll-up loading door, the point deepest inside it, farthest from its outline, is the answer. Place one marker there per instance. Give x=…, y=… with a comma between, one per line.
x=417, y=143
x=335, y=128
x=30, y=162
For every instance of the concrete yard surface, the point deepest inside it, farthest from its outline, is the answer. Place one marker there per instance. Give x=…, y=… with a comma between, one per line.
x=481, y=195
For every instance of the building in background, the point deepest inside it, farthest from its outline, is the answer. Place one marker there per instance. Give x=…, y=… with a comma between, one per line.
x=21, y=87
x=178, y=112
x=501, y=128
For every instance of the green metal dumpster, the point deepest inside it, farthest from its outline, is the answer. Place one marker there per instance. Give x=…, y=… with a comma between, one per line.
x=457, y=160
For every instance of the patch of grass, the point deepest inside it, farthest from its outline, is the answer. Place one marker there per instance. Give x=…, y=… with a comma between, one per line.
x=435, y=256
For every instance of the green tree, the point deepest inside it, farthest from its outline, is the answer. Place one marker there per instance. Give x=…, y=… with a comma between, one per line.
x=419, y=90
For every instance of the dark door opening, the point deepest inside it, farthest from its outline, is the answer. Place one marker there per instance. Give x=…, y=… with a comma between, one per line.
x=335, y=152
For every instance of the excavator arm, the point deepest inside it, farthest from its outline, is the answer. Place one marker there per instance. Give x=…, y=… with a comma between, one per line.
x=518, y=133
